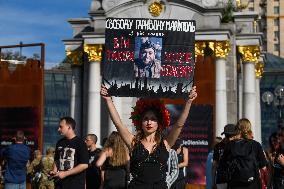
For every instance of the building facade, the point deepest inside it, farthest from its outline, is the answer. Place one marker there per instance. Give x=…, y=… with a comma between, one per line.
x=237, y=47
x=271, y=112
x=274, y=18
x=271, y=22
x=57, y=87
x=227, y=79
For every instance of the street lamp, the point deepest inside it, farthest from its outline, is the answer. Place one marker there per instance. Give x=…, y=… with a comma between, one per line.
x=278, y=99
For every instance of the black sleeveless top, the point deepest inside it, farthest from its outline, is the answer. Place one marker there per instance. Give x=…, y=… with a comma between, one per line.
x=180, y=155
x=180, y=159
x=115, y=177
x=148, y=170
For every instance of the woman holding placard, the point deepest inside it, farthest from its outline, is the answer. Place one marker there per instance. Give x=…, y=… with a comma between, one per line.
x=149, y=151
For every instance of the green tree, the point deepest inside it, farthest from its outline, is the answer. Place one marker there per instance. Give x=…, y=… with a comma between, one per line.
x=10, y=55
x=227, y=12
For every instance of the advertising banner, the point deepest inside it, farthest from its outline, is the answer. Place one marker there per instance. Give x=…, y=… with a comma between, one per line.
x=19, y=118
x=197, y=137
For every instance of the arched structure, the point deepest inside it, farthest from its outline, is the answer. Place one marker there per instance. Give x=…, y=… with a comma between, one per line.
x=226, y=57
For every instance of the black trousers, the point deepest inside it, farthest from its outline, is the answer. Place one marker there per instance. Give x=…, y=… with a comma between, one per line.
x=278, y=183
x=254, y=185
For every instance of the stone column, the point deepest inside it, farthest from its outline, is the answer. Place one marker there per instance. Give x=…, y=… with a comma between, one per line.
x=221, y=52
x=76, y=58
x=94, y=99
x=250, y=55
x=240, y=95
x=258, y=74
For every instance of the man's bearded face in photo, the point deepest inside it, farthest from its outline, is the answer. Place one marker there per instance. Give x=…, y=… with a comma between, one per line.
x=147, y=55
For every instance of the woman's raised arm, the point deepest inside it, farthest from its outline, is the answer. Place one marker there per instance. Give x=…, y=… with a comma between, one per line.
x=177, y=127
x=122, y=130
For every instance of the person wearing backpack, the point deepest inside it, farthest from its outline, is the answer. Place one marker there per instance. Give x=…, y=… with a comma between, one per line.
x=219, y=171
x=244, y=158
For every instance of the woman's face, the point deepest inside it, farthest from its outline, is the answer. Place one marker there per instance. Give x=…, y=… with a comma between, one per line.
x=149, y=122
x=275, y=142
x=147, y=55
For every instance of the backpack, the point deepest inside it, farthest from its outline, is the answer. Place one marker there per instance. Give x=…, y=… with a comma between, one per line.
x=242, y=164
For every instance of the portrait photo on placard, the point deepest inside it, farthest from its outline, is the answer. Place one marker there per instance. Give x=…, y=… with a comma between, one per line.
x=147, y=57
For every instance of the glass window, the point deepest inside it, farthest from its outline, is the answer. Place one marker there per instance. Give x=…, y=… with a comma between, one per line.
x=276, y=47
x=57, y=103
x=276, y=10
x=59, y=77
x=276, y=22
x=269, y=114
x=276, y=35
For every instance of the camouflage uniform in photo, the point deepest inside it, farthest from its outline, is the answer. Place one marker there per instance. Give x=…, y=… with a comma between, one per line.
x=33, y=169
x=151, y=71
x=47, y=166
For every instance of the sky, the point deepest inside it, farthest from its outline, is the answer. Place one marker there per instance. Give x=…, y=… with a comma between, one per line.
x=38, y=21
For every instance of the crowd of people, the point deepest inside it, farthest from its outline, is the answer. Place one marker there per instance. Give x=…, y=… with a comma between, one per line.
x=240, y=162
x=147, y=159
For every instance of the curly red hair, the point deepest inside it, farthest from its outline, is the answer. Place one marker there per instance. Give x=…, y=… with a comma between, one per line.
x=143, y=105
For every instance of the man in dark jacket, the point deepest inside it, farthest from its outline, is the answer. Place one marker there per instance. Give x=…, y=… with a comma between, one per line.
x=218, y=170
x=16, y=157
